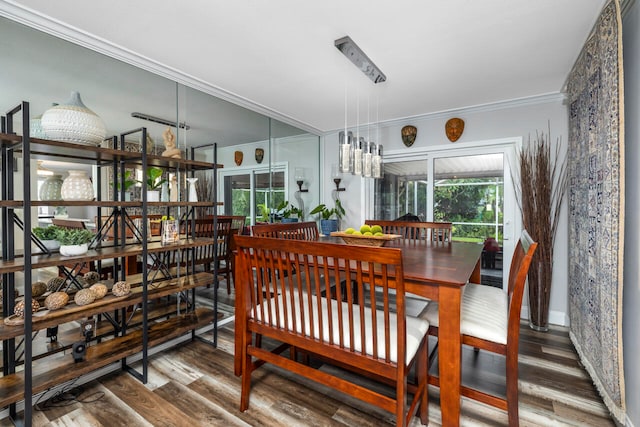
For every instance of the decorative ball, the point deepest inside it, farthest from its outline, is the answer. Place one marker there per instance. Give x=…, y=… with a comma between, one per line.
x=19, y=308
x=91, y=277
x=56, y=300
x=99, y=290
x=82, y=281
x=54, y=284
x=84, y=297
x=121, y=289
x=38, y=289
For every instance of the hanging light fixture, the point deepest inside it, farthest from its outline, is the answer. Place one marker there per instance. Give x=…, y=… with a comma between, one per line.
x=356, y=155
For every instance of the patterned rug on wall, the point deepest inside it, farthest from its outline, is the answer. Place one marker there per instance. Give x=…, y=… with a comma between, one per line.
x=596, y=207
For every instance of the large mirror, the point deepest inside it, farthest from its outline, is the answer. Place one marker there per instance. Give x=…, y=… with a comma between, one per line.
x=43, y=70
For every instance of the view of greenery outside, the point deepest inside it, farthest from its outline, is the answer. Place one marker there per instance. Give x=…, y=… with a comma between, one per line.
x=470, y=204
x=265, y=200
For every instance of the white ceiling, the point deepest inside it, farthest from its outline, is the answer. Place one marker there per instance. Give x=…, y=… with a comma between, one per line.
x=278, y=56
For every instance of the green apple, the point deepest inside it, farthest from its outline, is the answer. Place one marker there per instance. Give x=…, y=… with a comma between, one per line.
x=365, y=228
x=379, y=233
x=376, y=229
x=349, y=230
x=356, y=233
x=367, y=233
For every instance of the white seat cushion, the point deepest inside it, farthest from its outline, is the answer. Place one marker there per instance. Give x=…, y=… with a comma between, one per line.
x=416, y=328
x=484, y=313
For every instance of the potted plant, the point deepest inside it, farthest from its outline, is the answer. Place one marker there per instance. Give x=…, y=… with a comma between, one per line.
x=47, y=235
x=73, y=241
x=126, y=184
x=327, y=223
x=288, y=210
x=154, y=183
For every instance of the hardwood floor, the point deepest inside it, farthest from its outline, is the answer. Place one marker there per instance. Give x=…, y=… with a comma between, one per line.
x=193, y=385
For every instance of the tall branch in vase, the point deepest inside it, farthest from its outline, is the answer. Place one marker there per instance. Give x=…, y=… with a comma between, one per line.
x=543, y=181
x=204, y=188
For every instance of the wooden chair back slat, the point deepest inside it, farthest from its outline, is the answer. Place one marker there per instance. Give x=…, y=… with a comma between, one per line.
x=416, y=231
x=287, y=230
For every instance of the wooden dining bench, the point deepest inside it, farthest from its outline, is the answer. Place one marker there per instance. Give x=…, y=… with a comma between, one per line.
x=290, y=312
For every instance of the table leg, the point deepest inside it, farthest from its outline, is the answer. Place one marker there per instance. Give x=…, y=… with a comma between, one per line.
x=449, y=353
x=475, y=276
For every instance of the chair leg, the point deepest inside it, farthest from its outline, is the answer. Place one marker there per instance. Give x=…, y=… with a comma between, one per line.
x=512, y=389
x=422, y=370
x=246, y=374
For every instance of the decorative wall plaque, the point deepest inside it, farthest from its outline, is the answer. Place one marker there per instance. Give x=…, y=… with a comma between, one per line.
x=259, y=155
x=237, y=157
x=454, y=128
x=409, y=135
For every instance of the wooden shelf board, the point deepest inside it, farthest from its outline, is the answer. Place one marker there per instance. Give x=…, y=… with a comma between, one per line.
x=104, y=252
x=49, y=373
x=74, y=312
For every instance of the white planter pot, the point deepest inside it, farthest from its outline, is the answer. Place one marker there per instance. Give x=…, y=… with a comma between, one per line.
x=52, y=245
x=74, y=250
x=153, y=196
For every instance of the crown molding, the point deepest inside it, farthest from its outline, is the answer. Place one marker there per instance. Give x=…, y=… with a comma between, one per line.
x=56, y=28
x=474, y=109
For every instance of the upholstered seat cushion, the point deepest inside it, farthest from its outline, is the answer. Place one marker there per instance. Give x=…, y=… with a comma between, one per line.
x=416, y=328
x=484, y=313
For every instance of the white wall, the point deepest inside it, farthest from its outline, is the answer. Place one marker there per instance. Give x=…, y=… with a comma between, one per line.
x=631, y=293
x=509, y=119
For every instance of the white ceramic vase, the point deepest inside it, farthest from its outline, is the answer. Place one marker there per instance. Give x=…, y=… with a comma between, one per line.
x=77, y=186
x=153, y=196
x=193, y=193
x=51, y=188
x=73, y=122
x=74, y=250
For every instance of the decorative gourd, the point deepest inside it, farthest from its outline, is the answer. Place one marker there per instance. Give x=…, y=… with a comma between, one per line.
x=84, y=297
x=54, y=284
x=56, y=300
x=19, y=308
x=38, y=289
x=121, y=289
x=99, y=290
x=91, y=277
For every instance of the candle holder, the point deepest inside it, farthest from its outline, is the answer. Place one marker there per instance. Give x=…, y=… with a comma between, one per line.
x=299, y=177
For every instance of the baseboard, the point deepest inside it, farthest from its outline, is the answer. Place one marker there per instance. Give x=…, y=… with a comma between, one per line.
x=555, y=317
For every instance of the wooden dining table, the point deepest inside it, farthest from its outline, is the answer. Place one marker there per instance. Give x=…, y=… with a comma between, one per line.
x=438, y=271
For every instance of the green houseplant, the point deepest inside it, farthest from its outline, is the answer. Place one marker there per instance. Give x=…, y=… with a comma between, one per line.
x=73, y=241
x=329, y=216
x=126, y=184
x=47, y=236
x=154, y=181
x=287, y=210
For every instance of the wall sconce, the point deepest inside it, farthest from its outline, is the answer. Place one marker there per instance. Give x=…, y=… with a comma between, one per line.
x=299, y=177
x=335, y=174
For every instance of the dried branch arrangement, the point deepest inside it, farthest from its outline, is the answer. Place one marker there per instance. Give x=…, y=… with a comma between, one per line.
x=543, y=181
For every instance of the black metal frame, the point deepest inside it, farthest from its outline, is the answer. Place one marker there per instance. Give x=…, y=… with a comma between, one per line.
x=8, y=219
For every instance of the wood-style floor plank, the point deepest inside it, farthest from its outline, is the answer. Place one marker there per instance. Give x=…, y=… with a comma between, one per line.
x=193, y=385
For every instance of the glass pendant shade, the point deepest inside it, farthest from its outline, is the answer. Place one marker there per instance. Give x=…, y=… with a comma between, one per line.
x=366, y=159
x=345, y=151
x=376, y=162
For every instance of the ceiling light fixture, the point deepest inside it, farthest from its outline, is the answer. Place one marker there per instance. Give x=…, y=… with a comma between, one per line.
x=143, y=116
x=360, y=59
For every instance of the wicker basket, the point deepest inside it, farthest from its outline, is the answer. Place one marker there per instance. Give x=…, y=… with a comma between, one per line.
x=359, y=239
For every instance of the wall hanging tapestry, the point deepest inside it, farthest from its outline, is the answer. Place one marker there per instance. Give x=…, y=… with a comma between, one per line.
x=596, y=206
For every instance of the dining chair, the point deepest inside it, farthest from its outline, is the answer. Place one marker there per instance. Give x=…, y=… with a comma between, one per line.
x=490, y=321
x=416, y=230
x=287, y=230
x=373, y=343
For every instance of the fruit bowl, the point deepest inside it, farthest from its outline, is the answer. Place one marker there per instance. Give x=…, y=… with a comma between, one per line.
x=363, y=240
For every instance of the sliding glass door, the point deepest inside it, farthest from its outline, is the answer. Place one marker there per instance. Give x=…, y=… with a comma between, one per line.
x=468, y=186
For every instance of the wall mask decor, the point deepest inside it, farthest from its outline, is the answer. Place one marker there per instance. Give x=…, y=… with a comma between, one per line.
x=237, y=157
x=259, y=155
x=454, y=128
x=409, y=135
